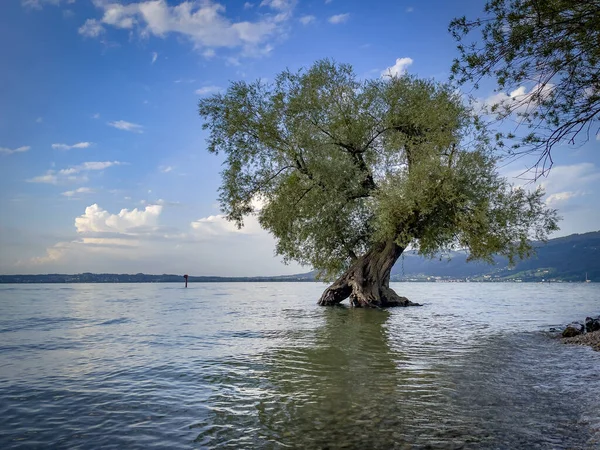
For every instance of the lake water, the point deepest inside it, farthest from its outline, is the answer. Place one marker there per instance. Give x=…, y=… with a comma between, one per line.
x=260, y=365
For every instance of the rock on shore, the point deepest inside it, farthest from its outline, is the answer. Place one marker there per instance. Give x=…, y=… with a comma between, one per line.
x=592, y=339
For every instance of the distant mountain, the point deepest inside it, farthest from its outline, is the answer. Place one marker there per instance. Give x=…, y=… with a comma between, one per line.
x=567, y=258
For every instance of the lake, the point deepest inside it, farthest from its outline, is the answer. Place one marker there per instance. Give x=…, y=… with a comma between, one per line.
x=260, y=365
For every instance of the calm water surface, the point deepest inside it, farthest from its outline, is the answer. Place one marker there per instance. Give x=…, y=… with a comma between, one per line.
x=259, y=365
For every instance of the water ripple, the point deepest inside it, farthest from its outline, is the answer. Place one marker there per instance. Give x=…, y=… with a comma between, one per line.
x=217, y=366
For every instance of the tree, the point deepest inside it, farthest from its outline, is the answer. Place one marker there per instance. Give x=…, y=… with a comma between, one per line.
x=552, y=49
x=351, y=172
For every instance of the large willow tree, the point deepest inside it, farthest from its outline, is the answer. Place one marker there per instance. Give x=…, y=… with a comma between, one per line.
x=352, y=172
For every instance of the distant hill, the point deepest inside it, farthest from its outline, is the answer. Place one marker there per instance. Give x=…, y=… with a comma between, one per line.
x=567, y=258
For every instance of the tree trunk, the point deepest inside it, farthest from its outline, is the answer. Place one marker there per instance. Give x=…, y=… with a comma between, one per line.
x=367, y=281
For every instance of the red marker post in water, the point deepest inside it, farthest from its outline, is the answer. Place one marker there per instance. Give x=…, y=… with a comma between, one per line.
x=186, y=277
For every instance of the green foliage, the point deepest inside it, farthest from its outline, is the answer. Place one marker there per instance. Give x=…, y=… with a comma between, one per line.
x=340, y=164
x=551, y=47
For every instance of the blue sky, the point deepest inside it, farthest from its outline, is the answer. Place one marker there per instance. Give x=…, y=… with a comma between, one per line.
x=103, y=162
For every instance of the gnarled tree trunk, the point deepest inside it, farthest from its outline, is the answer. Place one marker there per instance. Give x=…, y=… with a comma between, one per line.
x=367, y=281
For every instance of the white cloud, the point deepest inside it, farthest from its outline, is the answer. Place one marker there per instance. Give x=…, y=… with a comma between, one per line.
x=9, y=151
x=95, y=219
x=81, y=190
x=248, y=5
x=282, y=5
x=305, y=20
x=91, y=28
x=563, y=182
x=219, y=226
x=165, y=169
x=339, y=18
x=209, y=53
x=570, y=190
x=53, y=254
x=163, y=202
x=49, y=178
x=518, y=100
x=126, y=126
x=92, y=165
x=154, y=57
x=69, y=175
x=96, y=116
x=397, y=69
x=203, y=23
x=133, y=240
x=560, y=197
x=410, y=9
x=208, y=90
x=69, y=147
x=38, y=4
x=214, y=225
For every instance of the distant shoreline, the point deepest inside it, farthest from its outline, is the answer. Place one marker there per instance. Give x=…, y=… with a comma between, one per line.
x=107, y=278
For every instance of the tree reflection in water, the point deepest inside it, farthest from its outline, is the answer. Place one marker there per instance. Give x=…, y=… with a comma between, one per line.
x=340, y=385
x=341, y=392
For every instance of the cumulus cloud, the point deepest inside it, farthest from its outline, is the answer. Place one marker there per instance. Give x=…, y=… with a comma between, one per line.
x=133, y=240
x=69, y=147
x=305, y=20
x=126, y=126
x=208, y=90
x=398, y=69
x=10, y=151
x=91, y=28
x=81, y=190
x=95, y=219
x=339, y=18
x=204, y=23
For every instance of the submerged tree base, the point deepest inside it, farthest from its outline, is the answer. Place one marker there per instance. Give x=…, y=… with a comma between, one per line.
x=386, y=297
x=366, y=282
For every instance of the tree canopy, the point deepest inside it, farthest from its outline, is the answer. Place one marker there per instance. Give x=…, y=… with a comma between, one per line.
x=341, y=165
x=545, y=56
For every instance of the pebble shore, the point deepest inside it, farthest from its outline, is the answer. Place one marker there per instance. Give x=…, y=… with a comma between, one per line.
x=592, y=339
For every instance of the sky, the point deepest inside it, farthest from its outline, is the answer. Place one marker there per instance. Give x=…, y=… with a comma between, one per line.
x=103, y=160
